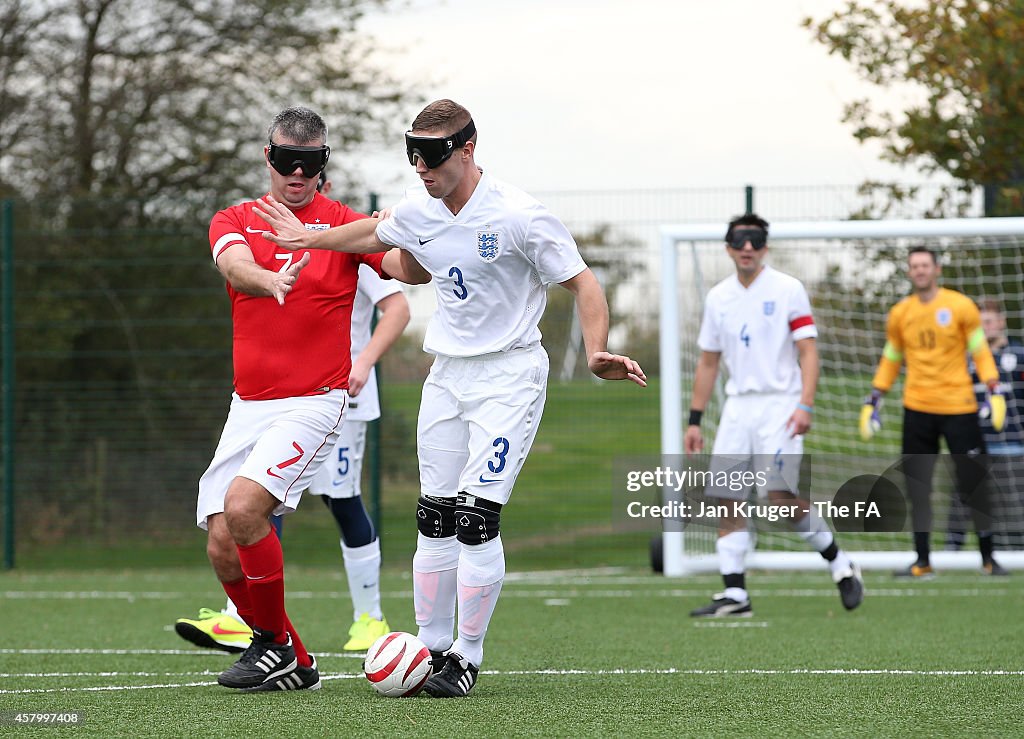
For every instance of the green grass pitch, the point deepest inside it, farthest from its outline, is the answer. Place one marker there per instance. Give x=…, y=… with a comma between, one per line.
x=605, y=652
x=585, y=640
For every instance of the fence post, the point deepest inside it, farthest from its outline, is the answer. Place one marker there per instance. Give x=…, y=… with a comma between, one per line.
x=7, y=371
x=749, y=192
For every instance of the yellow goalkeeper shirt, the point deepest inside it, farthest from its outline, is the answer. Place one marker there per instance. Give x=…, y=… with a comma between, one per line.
x=934, y=339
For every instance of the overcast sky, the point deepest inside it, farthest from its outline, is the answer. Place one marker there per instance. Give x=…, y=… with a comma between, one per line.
x=625, y=94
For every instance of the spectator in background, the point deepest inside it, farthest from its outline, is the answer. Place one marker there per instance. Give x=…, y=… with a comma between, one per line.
x=1006, y=447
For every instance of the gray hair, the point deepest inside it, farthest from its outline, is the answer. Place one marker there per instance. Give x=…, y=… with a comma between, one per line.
x=298, y=124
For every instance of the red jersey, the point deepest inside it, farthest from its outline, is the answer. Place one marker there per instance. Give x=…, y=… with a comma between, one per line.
x=304, y=346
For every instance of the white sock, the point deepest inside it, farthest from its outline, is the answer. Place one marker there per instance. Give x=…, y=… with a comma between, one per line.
x=481, y=573
x=434, y=586
x=362, y=567
x=814, y=531
x=231, y=610
x=732, y=553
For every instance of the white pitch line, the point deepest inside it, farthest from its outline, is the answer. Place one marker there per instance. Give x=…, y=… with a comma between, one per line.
x=90, y=595
x=755, y=592
x=205, y=673
x=573, y=592
x=583, y=673
x=171, y=652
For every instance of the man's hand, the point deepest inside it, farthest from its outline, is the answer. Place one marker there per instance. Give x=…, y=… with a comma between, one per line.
x=693, y=440
x=357, y=377
x=616, y=367
x=289, y=232
x=994, y=408
x=870, y=418
x=799, y=423
x=282, y=282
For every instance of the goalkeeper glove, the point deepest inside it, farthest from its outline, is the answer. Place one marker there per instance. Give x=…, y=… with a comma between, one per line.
x=870, y=420
x=994, y=408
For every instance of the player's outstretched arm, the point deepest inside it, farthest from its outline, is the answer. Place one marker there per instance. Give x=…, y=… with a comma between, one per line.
x=357, y=237
x=593, y=312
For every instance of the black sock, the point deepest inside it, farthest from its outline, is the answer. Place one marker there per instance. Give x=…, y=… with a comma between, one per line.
x=985, y=546
x=830, y=552
x=738, y=580
x=922, y=543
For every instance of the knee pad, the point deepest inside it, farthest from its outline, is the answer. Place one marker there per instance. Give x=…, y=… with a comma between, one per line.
x=477, y=520
x=435, y=517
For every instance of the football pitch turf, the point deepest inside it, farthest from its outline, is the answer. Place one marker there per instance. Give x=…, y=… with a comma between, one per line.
x=595, y=652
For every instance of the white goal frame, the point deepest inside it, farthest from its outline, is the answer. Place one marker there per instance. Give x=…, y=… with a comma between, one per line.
x=674, y=559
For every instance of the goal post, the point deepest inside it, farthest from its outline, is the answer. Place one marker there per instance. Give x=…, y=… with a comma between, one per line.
x=853, y=272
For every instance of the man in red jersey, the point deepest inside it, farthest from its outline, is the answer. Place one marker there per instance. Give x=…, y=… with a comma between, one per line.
x=291, y=333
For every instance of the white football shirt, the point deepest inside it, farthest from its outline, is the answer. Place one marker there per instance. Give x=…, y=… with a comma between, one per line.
x=756, y=329
x=370, y=290
x=490, y=264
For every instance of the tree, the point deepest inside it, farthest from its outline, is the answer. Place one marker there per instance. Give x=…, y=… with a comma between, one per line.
x=124, y=125
x=967, y=58
x=165, y=102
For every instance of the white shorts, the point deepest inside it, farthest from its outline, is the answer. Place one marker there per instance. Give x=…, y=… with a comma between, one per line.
x=339, y=476
x=277, y=443
x=478, y=419
x=752, y=437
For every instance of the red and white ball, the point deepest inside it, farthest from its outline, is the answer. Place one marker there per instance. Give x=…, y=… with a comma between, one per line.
x=397, y=665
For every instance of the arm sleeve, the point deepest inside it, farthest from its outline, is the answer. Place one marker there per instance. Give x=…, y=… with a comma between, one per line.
x=373, y=261
x=225, y=231
x=551, y=248
x=392, y=230
x=373, y=287
x=977, y=345
x=892, y=353
x=801, y=322
x=708, y=340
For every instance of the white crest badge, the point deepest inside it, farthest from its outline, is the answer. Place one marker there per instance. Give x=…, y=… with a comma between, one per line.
x=769, y=307
x=943, y=316
x=487, y=245
x=1008, y=361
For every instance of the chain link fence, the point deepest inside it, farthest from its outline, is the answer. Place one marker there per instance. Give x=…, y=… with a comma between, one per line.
x=117, y=346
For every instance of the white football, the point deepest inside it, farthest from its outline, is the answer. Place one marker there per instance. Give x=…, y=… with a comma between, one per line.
x=397, y=665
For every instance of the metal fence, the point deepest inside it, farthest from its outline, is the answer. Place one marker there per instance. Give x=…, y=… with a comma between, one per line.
x=117, y=353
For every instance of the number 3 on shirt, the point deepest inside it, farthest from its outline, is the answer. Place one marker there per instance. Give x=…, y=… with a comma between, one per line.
x=460, y=287
x=745, y=336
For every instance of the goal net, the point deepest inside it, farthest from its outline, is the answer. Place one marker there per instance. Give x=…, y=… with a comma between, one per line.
x=854, y=271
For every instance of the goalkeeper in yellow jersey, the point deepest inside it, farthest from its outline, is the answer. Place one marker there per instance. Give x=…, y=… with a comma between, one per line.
x=932, y=331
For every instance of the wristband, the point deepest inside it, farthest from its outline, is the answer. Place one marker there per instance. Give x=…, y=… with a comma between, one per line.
x=695, y=417
x=804, y=407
